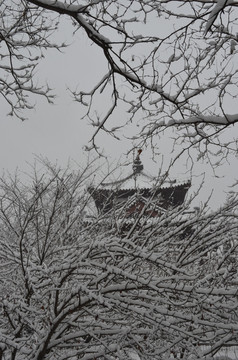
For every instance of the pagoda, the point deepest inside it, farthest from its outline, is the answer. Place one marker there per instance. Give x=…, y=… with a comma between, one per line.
x=139, y=192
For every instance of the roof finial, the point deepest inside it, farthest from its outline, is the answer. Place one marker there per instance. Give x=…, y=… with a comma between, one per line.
x=137, y=164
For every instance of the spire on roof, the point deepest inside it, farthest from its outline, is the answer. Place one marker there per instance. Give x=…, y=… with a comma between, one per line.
x=137, y=164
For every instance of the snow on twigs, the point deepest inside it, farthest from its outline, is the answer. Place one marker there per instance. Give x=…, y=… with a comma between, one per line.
x=74, y=287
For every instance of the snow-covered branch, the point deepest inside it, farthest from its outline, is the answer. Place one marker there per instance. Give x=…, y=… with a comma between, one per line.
x=154, y=70
x=78, y=287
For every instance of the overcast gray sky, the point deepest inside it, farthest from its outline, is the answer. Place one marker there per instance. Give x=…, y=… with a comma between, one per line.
x=59, y=133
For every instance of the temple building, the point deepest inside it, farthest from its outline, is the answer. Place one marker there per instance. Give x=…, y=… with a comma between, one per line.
x=139, y=192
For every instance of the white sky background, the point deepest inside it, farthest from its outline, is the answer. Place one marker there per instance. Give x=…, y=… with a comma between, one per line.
x=59, y=133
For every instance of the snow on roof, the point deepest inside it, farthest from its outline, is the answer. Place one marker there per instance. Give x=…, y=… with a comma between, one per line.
x=142, y=180
x=139, y=179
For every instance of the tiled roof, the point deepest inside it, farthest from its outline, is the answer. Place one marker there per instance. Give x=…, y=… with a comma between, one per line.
x=139, y=179
x=142, y=180
x=167, y=192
